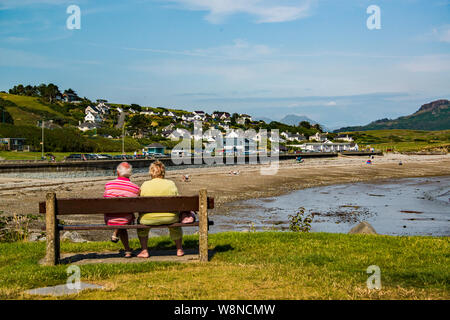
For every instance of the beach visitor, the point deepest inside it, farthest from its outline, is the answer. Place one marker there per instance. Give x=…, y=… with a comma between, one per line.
x=121, y=187
x=159, y=186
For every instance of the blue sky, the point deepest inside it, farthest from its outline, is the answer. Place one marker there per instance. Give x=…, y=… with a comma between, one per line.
x=263, y=57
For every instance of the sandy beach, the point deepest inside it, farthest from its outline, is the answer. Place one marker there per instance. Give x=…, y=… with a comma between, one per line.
x=21, y=196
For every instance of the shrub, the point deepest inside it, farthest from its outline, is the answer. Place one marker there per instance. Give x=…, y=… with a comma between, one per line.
x=299, y=222
x=15, y=228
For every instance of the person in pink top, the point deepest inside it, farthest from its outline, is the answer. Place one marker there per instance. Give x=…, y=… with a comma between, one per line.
x=121, y=187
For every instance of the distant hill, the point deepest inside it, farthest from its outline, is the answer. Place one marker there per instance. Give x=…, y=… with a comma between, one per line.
x=431, y=116
x=293, y=120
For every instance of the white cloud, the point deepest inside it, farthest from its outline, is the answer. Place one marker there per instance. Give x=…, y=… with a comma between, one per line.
x=265, y=11
x=428, y=63
x=442, y=34
x=331, y=104
x=240, y=49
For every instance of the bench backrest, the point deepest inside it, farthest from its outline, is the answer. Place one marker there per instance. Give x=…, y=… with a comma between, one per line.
x=126, y=205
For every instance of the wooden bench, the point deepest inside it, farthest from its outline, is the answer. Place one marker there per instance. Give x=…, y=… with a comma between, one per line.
x=53, y=208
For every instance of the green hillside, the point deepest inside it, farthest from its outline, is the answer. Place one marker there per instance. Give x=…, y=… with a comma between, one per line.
x=26, y=111
x=403, y=140
x=431, y=116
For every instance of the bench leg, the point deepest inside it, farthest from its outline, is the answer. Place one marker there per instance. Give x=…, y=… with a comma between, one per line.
x=52, y=232
x=203, y=225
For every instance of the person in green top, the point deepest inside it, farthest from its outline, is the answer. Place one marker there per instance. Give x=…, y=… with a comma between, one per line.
x=158, y=186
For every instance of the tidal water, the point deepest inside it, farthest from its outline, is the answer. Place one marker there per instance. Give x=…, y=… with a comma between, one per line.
x=412, y=206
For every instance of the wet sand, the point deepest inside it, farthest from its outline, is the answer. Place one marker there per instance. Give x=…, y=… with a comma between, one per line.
x=406, y=207
x=21, y=195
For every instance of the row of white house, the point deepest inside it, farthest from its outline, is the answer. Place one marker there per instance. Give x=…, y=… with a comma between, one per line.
x=212, y=135
x=327, y=146
x=224, y=117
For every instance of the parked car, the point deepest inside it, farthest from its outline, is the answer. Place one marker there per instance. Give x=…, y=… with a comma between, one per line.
x=157, y=155
x=73, y=157
x=89, y=156
x=119, y=157
x=103, y=156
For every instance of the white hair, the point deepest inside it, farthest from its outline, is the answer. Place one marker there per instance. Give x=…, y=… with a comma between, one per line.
x=124, y=169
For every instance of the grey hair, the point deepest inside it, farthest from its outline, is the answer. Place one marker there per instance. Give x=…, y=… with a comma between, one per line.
x=124, y=169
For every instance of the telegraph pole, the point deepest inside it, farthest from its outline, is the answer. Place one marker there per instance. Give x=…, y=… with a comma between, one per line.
x=123, y=139
x=42, y=157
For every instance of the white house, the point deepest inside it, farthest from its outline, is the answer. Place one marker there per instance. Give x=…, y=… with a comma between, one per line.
x=147, y=113
x=178, y=133
x=221, y=115
x=169, y=127
x=93, y=117
x=102, y=107
x=343, y=137
x=292, y=136
x=168, y=114
x=232, y=134
x=85, y=126
x=91, y=109
x=197, y=117
x=242, y=118
x=319, y=137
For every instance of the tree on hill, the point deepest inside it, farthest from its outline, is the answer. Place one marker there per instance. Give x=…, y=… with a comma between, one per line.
x=50, y=92
x=305, y=124
x=5, y=117
x=47, y=92
x=30, y=91
x=318, y=127
x=139, y=124
x=136, y=107
x=234, y=118
x=69, y=91
x=18, y=89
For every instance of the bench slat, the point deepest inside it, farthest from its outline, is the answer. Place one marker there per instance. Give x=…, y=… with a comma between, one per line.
x=126, y=205
x=136, y=226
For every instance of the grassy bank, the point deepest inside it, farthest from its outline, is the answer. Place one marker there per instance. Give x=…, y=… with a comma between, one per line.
x=403, y=140
x=267, y=265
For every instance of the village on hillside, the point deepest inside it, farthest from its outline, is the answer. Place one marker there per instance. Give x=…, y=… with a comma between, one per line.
x=230, y=127
x=156, y=130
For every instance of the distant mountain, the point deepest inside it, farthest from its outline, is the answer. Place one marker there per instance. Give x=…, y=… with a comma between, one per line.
x=431, y=116
x=293, y=120
x=265, y=119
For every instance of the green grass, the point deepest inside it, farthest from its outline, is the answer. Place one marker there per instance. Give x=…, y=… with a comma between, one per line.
x=266, y=265
x=26, y=116
x=403, y=140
